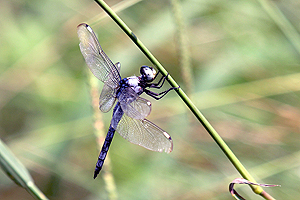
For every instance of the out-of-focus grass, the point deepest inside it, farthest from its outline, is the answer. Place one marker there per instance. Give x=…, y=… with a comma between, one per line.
x=246, y=84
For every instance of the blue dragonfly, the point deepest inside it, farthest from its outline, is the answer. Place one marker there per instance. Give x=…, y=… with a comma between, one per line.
x=129, y=114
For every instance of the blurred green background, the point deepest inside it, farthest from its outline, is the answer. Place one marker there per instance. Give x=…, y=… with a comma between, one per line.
x=246, y=81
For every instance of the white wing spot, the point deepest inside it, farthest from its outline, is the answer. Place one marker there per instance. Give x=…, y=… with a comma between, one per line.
x=89, y=29
x=149, y=103
x=166, y=135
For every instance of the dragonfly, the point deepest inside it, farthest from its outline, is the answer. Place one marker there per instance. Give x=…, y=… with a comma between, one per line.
x=129, y=114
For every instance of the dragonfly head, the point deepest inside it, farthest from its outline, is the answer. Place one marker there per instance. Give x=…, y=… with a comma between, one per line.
x=148, y=73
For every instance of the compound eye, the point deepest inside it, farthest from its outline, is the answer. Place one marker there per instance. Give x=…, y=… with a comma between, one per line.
x=148, y=73
x=153, y=71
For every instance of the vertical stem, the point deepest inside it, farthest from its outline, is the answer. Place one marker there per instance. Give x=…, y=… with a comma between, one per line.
x=108, y=178
x=182, y=46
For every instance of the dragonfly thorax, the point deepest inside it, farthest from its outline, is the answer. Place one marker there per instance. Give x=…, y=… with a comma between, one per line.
x=134, y=83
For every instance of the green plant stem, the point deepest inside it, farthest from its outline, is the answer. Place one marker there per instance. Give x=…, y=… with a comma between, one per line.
x=35, y=191
x=234, y=160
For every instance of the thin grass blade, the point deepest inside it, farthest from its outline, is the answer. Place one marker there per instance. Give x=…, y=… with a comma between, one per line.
x=16, y=171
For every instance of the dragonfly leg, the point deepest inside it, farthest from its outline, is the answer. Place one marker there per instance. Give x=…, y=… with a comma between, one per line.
x=156, y=85
x=156, y=75
x=160, y=95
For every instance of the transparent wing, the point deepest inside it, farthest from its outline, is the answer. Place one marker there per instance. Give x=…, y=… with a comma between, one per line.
x=98, y=62
x=118, y=65
x=107, y=98
x=134, y=106
x=144, y=133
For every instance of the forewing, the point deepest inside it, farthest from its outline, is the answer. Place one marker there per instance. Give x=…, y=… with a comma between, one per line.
x=107, y=98
x=98, y=62
x=134, y=106
x=145, y=133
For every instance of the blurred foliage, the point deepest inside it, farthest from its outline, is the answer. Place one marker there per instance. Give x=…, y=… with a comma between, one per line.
x=246, y=76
